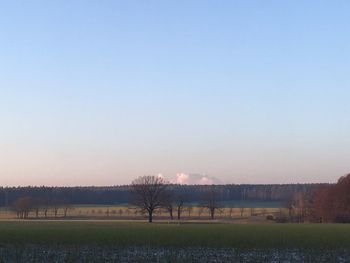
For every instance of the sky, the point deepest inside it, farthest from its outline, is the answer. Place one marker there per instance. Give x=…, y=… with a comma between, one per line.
x=101, y=92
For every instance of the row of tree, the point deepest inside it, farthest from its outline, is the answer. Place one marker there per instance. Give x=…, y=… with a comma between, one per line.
x=121, y=194
x=150, y=193
x=147, y=194
x=327, y=203
x=23, y=206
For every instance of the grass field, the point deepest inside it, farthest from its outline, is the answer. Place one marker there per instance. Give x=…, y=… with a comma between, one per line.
x=117, y=241
x=125, y=234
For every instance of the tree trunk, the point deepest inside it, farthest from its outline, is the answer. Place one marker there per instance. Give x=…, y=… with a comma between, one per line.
x=171, y=214
x=150, y=216
x=212, y=212
x=178, y=213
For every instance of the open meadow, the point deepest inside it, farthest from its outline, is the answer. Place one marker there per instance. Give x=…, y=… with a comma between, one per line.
x=117, y=241
x=248, y=212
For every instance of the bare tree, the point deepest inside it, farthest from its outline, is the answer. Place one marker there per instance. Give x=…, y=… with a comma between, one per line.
x=23, y=206
x=180, y=201
x=175, y=203
x=189, y=210
x=241, y=209
x=55, y=205
x=149, y=194
x=210, y=201
x=200, y=211
x=169, y=204
x=120, y=212
x=45, y=206
x=170, y=208
x=66, y=207
x=231, y=211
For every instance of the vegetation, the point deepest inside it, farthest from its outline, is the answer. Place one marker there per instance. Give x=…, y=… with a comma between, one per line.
x=149, y=193
x=332, y=203
x=121, y=194
x=251, y=236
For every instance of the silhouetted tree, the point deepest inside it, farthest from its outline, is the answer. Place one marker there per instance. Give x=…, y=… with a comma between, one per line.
x=23, y=206
x=66, y=207
x=210, y=200
x=180, y=200
x=241, y=209
x=149, y=193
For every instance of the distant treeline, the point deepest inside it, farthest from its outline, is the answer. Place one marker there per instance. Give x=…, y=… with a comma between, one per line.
x=121, y=194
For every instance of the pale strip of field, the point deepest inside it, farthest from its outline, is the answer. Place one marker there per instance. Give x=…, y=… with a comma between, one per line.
x=127, y=213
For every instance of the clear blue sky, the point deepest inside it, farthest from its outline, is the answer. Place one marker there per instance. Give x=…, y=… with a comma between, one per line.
x=100, y=92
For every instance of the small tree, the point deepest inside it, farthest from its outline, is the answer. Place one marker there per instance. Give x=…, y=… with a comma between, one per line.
x=120, y=212
x=241, y=209
x=23, y=206
x=55, y=205
x=149, y=194
x=169, y=204
x=189, y=210
x=180, y=200
x=210, y=201
x=174, y=203
x=170, y=208
x=66, y=207
x=200, y=211
x=231, y=211
x=45, y=207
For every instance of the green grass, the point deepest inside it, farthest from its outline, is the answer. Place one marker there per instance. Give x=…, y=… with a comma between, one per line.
x=172, y=235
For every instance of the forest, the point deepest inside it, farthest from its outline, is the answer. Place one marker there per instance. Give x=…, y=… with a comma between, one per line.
x=121, y=194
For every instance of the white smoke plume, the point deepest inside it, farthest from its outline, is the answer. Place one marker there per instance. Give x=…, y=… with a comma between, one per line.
x=184, y=178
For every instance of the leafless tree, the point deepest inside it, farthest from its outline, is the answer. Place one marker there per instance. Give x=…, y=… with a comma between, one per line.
x=175, y=203
x=189, y=210
x=180, y=201
x=66, y=207
x=120, y=212
x=149, y=193
x=231, y=211
x=37, y=204
x=210, y=200
x=200, y=211
x=241, y=209
x=252, y=211
x=55, y=205
x=23, y=206
x=169, y=203
x=45, y=207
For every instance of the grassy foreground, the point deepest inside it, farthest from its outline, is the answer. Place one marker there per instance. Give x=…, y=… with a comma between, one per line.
x=127, y=234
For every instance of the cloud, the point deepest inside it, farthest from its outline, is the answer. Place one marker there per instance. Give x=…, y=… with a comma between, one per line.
x=184, y=178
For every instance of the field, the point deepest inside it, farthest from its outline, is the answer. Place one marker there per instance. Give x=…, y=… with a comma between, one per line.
x=69, y=240
x=251, y=211
x=127, y=234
